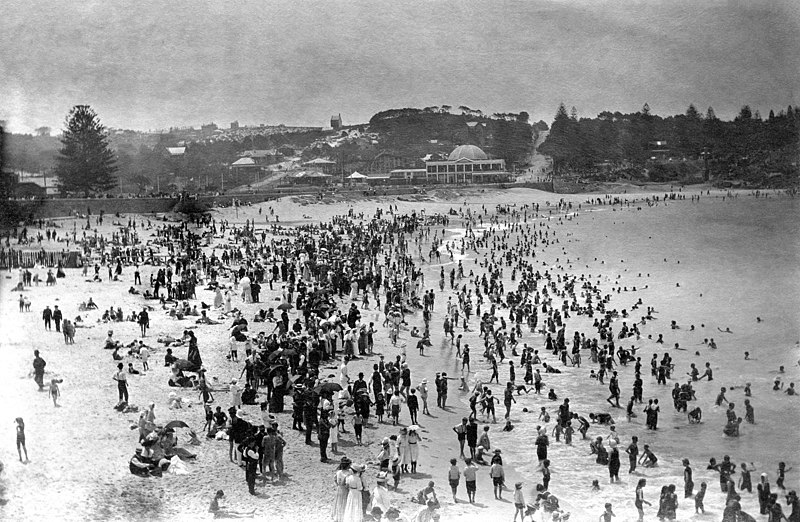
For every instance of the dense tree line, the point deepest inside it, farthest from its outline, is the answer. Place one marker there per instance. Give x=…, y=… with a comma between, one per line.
x=410, y=131
x=740, y=147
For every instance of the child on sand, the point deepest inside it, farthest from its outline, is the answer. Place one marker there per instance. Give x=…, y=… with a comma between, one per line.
x=54, y=392
x=498, y=476
x=519, y=502
x=396, y=471
x=218, y=512
x=453, y=476
x=21, y=439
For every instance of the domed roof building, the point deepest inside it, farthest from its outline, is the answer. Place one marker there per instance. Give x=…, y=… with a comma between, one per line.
x=467, y=152
x=467, y=164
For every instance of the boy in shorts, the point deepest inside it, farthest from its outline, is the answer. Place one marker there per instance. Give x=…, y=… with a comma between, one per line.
x=470, y=472
x=519, y=502
x=453, y=476
x=498, y=476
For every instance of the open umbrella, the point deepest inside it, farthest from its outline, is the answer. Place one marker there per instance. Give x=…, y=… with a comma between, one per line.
x=275, y=355
x=175, y=424
x=186, y=366
x=285, y=306
x=328, y=387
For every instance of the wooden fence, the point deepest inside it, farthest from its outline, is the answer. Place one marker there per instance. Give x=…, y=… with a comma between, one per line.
x=12, y=258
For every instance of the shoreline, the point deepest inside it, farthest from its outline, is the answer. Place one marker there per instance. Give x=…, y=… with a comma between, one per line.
x=195, y=489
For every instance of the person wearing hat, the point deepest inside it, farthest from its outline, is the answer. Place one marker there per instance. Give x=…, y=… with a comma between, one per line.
x=250, y=457
x=497, y=457
x=323, y=435
x=138, y=465
x=236, y=394
x=793, y=502
x=340, y=479
x=385, y=454
x=353, y=509
x=519, y=502
x=380, y=493
x=422, y=388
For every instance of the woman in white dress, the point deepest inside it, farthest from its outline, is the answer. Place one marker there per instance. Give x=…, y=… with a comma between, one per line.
x=405, y=450
x=413, y=444
x=344, y=378
x=340, y=478
x=227, y=301
x=353, y=510
x=380, y=494
x=247, y=296
x=218, y=299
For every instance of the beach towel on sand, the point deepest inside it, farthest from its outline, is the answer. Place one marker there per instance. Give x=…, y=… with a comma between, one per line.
x=177, y=467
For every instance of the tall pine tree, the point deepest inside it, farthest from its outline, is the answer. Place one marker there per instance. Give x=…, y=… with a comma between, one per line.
x=86, y=164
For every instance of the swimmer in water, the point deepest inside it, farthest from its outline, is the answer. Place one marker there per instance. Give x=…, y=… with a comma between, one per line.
x=721, y=397
x=726, y=330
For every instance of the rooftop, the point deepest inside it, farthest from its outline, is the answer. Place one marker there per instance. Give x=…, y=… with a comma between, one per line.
x=467, y=152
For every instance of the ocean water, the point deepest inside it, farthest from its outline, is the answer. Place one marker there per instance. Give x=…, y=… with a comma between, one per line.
x=715, y=265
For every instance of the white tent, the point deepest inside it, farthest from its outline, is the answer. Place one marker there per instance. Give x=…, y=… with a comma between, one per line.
x=356, y=175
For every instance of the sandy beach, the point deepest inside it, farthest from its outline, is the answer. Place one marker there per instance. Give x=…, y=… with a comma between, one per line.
x=716, y=263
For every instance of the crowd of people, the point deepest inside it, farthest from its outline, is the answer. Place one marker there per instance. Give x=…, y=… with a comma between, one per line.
x=491, y=293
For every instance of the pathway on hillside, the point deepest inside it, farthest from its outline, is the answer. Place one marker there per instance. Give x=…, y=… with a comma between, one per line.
x=538, y=163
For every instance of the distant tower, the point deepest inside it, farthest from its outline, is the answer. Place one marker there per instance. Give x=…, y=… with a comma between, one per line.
x=235, y=125
x=336, y=121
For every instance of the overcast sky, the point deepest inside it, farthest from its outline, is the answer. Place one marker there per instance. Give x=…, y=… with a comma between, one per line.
x=154, y=64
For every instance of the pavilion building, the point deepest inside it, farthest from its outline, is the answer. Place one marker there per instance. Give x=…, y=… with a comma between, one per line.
x=466, y=164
